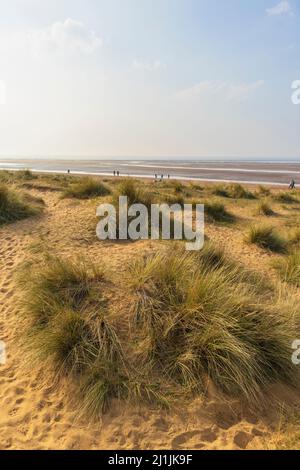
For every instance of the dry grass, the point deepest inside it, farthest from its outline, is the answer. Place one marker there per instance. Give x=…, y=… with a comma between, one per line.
x=266, y=237
x=86, y=188
x=263, y=191
x=286, y=197
x=287, y=434
x=193, y=316
x=288, y=268
x=16, y=206
x=195, y=322
x=294, y=236
x=71, y=326
x=234, y=191
x=264, y=208
x=217, y=212
x=134, y=193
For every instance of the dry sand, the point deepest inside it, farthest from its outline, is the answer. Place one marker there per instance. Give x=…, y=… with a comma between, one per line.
x=37, y=414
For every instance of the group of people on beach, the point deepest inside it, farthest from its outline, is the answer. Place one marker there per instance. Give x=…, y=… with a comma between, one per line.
x=161, y=177
x=157, y=177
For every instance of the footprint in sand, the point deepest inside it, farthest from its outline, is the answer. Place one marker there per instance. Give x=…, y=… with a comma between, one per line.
x=13, y=412
x=19, y=401
x=188, y=439
x=47, y=418
x=6, y=444
x=242, y=439
x=161, y=424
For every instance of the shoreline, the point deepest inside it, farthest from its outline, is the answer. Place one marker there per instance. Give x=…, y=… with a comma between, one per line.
x=173, y=177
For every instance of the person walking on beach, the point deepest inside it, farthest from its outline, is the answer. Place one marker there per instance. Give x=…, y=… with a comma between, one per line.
x=114, y=172
x=292, y=184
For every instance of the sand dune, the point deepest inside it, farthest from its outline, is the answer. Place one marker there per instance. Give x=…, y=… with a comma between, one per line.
x=36, y=413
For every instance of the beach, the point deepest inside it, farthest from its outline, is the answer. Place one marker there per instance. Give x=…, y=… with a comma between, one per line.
x=259, y=172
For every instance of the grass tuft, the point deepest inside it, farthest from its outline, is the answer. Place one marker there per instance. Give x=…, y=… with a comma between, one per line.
x=71, y=327
x=212, y=256
x=196, y=322
x=217, y=212
x=288, y=268
x=57, y=284
x=134, y=193
x=264, y=191
x=286, y=197
x=14, y=206
x=294, y=237
x=221, y=191
x=267, y=238
x=86, y=188
x=25, y=175
x=234, y=191
x=178, y=187
x=264, y=208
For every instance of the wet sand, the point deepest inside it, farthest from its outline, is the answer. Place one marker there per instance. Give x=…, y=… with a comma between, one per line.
x=244, y=172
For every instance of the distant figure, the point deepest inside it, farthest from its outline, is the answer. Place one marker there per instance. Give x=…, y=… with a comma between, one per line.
x=155, y=177
x=118, y=173
x=168, y=177
x=292, y=184
x=162, y=177
x=69, y=172
x=114, y=172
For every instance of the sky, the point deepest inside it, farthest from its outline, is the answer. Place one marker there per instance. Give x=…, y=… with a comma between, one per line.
x=149, y=78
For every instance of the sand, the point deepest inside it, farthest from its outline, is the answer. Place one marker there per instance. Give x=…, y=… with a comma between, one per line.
x=36, y=413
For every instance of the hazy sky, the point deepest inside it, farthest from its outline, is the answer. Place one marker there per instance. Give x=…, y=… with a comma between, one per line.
x=149, y=78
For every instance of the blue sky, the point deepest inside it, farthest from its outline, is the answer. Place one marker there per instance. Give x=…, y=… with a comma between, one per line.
x=165, y=78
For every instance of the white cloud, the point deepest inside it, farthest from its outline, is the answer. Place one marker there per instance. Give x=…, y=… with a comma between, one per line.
x=221, y=89
x=69, y=36
x=150, y=66
x=283, y=8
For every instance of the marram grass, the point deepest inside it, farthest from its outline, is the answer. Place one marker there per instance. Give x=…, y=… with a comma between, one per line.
x=266, y=237
x=191, y=316
x=14, y=206
x=288, y=268
x=86, y=188
x=195, y=321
